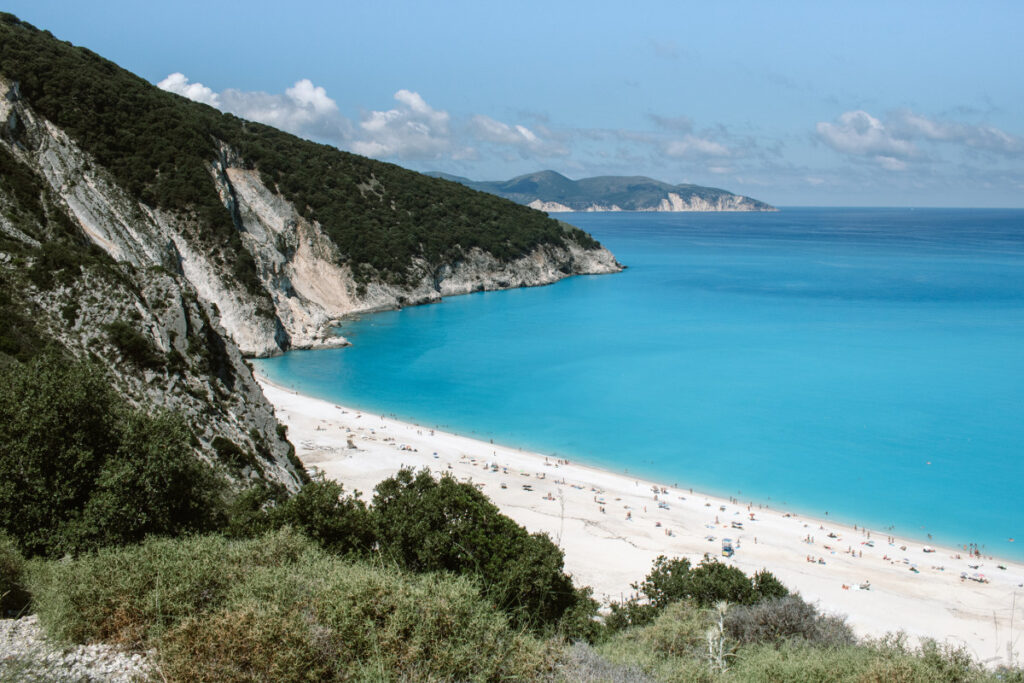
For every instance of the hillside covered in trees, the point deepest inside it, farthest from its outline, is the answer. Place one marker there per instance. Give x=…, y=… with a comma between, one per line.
x=283, y=235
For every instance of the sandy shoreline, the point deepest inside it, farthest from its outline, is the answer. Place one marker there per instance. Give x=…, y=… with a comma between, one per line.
x=612, y=526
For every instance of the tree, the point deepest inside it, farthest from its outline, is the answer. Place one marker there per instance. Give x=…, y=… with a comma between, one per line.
x=80, y=468
x=668, y=581
x=340, y=524
x=425, y=524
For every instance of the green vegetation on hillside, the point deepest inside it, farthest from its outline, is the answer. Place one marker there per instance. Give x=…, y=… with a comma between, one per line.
x=430, y=525
x=159, y=147
x=279, y=608
x=630, y=193
x=81, y=469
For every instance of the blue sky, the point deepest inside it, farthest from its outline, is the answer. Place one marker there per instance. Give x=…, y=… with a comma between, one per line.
x=796, y=103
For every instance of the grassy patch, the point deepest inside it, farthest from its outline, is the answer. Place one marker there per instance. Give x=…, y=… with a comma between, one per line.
x=279, y=608
x=13, y=597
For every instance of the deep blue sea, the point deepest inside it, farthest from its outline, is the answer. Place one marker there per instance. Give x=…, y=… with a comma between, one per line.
x=867, y=363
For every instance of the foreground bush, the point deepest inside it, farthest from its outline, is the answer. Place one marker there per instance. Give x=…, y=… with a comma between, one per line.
x=427, y=524
x=786, y=618
x=710, y=582
x=280, y=608
x=673, y=647
x=79, y=468
x=13, y=597
x=340, y=523
x=783, y=642
x=889, y=660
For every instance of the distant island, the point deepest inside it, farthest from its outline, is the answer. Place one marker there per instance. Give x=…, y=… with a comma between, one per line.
x=553, y=192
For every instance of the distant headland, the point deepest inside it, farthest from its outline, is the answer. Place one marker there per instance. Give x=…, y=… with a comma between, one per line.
x=553, y=192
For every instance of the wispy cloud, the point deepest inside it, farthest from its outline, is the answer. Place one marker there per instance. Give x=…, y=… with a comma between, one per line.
x=694, y=147
x=525, y=140
x=860, y=134
x=411, y=130
x=681, y=124
x=901, y=138
x=981, y=137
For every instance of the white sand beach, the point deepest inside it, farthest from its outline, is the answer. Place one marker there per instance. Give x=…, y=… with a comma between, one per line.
x=612, y=526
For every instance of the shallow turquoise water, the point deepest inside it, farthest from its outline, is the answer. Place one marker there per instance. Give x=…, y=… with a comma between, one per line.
x=817, y=359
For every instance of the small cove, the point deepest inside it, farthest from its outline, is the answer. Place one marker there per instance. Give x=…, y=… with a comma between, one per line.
x=860, y=362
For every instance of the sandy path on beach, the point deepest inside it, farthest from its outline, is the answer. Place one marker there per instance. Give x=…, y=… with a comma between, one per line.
x=611, y=549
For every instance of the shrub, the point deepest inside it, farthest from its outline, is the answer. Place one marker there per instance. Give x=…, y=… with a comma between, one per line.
x=79, y=468
x=425, y=524
x=131, y=594
x=580, y=621
x=56, y=420
x=680, y=631
x=133, y=345
x=279, y=608
x=632, y=612
x=668, y=581
x=233, y=455
x=673, y=647
x=13, y=598
x=151, y=484
x=340, y=524
x=583, y=664
x=778, y=619
x=888, y=660
x=710, y=582
x=249, y=511
x=767, y=586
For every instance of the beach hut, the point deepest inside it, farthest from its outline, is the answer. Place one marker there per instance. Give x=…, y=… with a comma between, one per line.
x=727, y=550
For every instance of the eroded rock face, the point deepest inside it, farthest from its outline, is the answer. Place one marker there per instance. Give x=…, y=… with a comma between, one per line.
x=313, y=287
x=201, y=373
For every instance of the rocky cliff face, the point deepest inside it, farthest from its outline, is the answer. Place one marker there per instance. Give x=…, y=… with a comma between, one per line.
x=312, y=288
x=131, y=308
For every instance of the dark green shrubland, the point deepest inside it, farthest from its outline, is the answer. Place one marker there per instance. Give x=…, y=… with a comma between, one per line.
x=428, y=524
x=674, y=579
x=80, y=468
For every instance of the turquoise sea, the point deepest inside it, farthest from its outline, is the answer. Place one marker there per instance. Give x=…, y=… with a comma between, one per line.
x=867, y=363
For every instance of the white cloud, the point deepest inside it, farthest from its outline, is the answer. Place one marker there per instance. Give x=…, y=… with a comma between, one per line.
x=304, y=109
x=980, y=137
x=893, y=144
x=412, y=130
x=526, y=141
x=691, y=146
x=179, y=84
x=858, y=133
